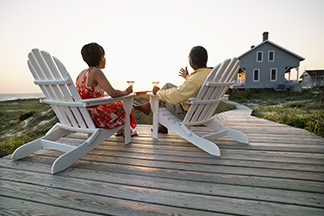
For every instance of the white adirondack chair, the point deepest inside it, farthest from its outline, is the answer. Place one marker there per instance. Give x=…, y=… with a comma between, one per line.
x=201, y=110
x=60, y=92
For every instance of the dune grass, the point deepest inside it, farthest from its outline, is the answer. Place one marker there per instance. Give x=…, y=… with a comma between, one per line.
x=26, y=120
x=23, y=121
x=302, y=110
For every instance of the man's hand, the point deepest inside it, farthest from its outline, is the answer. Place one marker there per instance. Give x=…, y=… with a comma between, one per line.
x=155, y=89
x=129, y=89
x=183, y=72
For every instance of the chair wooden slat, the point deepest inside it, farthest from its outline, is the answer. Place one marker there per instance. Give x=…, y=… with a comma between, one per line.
x=80, y=113
x=207, y=92
x=47, y=90
x=219, y=92
x=73, y=113
x=57, y=90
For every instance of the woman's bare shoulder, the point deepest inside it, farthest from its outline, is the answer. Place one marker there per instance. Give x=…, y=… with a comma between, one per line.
x=96, y=71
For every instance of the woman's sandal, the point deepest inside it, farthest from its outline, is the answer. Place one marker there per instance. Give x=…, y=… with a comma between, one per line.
x=121, y=133
x=134, y=134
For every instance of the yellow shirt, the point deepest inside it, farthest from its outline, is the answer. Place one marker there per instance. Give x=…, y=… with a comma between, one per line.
x=188, y=89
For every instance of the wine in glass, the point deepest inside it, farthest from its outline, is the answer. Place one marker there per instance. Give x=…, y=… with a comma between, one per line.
x=155, y=82
x=130, y=82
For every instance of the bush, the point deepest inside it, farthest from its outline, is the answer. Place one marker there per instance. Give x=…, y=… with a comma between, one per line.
x=8, y=147
x=294, y=105
x=223, y=107
x=315, y=124
x=297, y=122
x=26, y=115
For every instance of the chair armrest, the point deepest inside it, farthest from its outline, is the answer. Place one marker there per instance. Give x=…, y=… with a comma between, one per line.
x=151, y=94
x=104, y=100
x=189, y=100
x=41, y=99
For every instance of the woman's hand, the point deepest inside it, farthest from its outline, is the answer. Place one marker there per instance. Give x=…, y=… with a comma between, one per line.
x=155, y=89
x=129, y=89
x=183, y=72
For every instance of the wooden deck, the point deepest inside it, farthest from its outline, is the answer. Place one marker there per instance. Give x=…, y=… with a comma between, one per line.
x=281, y=172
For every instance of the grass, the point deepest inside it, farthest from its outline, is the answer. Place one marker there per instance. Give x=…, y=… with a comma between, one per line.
x=23, y=121
x=26, y=120
x=302, y=110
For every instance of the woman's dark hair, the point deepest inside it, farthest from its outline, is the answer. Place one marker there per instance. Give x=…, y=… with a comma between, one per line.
x=199, y=56
x=92, y=54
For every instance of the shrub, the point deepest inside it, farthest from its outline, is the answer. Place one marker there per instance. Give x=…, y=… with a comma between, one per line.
x=26, y=115
x=141, y=118
x=315, y=124
x=8, y=147
x=294, y=105
x=297, y=122
x=223, y=107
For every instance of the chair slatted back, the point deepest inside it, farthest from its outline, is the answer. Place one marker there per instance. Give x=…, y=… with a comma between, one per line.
x=212, y=92
x=57, y=86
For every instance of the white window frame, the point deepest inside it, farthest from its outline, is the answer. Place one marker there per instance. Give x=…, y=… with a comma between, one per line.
x=257, y=55
x=269, y=56
x=258, y=70
x=273, y=80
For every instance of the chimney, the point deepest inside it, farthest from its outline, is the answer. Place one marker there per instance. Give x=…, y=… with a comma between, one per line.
x=265, y=36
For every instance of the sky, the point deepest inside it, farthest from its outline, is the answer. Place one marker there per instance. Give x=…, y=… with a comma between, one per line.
x=148, y=40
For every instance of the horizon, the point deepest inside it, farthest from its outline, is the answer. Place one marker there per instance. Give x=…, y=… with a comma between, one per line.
x=150, y=40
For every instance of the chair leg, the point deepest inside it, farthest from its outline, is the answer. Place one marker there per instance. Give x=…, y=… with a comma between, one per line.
x=205, y=145
x=27, y=149
x=53, y=134
x=220, y=128
x=238, y=135
x=154, y=102
x=128, y=109
x=184, y=132
x=67, y=159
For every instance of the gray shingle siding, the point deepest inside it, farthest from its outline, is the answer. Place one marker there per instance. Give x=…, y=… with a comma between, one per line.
x=282, y=59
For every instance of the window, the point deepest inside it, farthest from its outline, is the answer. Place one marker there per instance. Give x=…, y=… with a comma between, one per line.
x=259, y=56
x=256, y=75
x=271, y=55
x=273, y=74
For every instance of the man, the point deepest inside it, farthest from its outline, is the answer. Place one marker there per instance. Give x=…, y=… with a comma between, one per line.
x=172, y=96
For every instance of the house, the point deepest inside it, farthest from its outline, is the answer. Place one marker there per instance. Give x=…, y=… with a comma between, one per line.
x=312, y=78
x=265, y=66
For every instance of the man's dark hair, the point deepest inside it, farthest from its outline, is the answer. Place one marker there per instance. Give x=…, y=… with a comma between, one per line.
x=92, y=54
x=199, y=56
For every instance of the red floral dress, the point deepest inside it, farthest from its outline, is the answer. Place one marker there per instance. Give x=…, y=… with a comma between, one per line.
x=108, y=115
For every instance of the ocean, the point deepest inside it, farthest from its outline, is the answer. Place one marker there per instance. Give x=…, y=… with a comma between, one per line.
x=15, y=96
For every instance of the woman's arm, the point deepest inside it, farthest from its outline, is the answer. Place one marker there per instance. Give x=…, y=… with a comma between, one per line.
x=100, y=78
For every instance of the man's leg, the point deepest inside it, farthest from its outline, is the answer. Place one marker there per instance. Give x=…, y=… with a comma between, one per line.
x=175, y=109
x=146, y=108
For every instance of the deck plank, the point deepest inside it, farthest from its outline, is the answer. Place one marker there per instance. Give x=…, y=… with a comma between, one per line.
x=281, y=172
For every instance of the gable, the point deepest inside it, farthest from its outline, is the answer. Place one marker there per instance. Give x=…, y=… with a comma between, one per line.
x=315, y=73
x=274, y=45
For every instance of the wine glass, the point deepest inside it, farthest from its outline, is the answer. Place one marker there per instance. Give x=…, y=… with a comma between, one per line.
x=130, y=82
x=155, y=82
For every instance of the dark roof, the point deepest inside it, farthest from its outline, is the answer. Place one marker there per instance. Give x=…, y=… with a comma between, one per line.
x=313, y=73
x=273, y=44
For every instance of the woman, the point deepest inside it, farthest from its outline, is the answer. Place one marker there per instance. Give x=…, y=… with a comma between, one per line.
x=92, y=83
